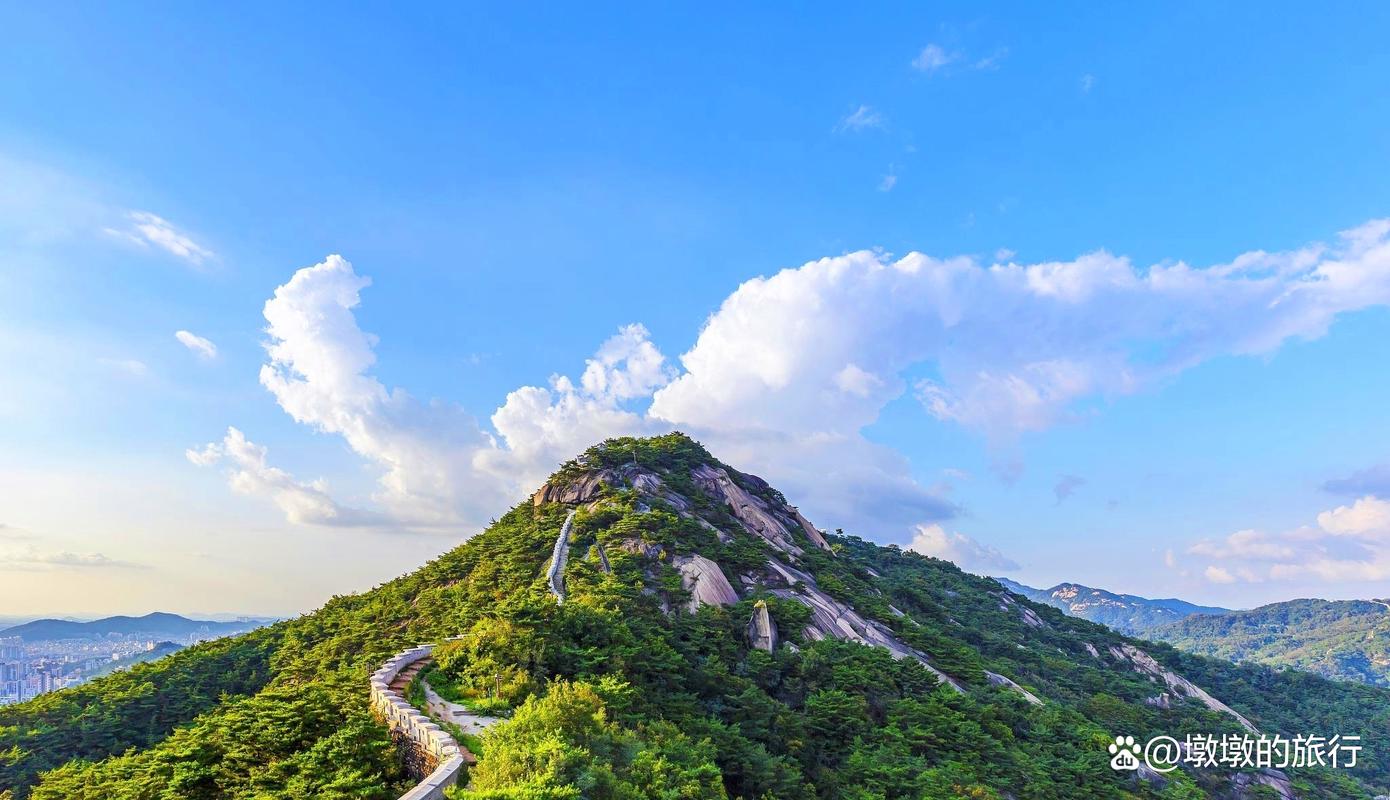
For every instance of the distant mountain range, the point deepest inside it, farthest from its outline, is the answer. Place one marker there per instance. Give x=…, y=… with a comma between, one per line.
x=1126, y=613
x=1342, y=639
x=157, y=625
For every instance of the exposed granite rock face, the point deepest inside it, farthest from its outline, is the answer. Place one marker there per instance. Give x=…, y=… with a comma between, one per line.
x=999, y=680
x=640, y=548
x=1246, y=782
x=753, y=512
x=1028, y=615
x=646, y=482
x=586, y=487
x=831, y=619
x=1090, y=648
x=1160, y=700
x=762, y=631
x=750, y=511
x=581, y=490
x=811, y=530
x=1177, y=684
x=705, y=581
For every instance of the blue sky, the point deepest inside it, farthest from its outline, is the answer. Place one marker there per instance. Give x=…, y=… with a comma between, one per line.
x=520, y=184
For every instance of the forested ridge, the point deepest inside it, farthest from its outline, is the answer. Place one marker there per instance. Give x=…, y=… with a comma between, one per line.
x=1342, y=639
x=620, y=693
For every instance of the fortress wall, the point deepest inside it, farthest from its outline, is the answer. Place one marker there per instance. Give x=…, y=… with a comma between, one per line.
x=436, y=750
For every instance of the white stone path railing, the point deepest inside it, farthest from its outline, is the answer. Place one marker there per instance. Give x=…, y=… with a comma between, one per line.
x=431, y=740
x=412, y=723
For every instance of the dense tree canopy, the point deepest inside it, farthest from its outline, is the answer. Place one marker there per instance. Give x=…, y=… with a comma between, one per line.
x=619, y=693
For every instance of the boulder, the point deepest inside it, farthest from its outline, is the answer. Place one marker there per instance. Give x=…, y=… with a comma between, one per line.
x=580, y=490
x=812, y=531
x=705, y=581
x=762, y=631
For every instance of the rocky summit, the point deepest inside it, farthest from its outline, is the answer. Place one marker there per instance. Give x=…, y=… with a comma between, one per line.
x=654, y=623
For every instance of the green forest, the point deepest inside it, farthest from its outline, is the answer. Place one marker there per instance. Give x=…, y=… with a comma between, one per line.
x=1343, y=639
x=620, y=693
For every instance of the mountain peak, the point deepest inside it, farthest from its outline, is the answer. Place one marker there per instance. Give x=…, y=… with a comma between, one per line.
x=651, y=604
x=1127, y=613
x=677, y=473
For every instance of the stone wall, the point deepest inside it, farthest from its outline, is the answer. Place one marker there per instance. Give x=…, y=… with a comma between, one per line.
x=433, y=747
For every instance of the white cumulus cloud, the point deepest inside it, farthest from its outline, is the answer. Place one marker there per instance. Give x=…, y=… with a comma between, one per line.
x=1247, y=544
x=249, y=473
x=788, y=372
x=1349, y=543
x=1367, y=517
x=936, y=541
x=1219, y=575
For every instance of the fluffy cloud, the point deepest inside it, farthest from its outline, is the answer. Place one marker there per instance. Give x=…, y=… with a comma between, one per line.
x=790, y=370
x=248, y=473
x=1246, y=544
x=1368, y=517
x=439, y=468
x=1015, y=348
x=1219, y=575
x=150, y=230
x=319, y=372
x=935, y=541
x=541, y=427
x=1349, y=543
x=200, y=347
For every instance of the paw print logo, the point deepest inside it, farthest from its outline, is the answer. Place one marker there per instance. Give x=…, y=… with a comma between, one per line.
x=1124, y=754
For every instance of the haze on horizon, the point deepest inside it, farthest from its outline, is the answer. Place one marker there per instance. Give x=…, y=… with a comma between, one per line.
x=1051, y=305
